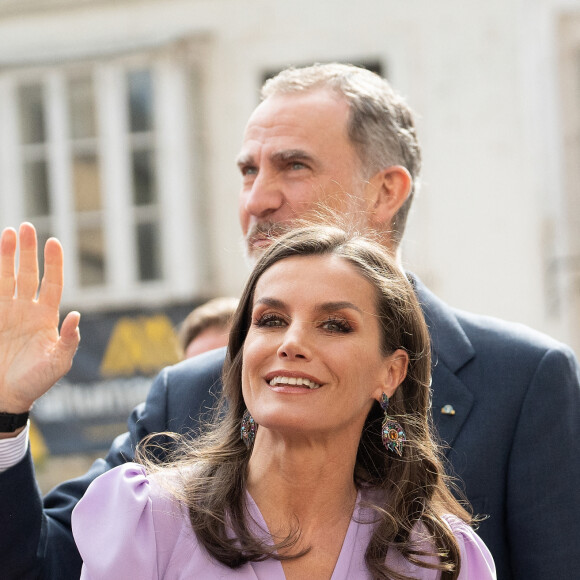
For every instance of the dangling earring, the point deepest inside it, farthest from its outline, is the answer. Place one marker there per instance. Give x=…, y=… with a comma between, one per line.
x=248, y=429
x=392, y=433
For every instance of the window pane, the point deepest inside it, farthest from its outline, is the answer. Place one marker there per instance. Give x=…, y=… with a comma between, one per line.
x=91, y=256
x=86, y=180
x=144, y=187
x=36, y=188
x=148, y=247
x=140, y=100
x=31, y=114
x=81, y=108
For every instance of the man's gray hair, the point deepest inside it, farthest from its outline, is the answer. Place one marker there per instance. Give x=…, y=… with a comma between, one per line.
x=381, y=125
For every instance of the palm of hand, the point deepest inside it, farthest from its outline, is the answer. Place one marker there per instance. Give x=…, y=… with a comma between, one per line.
x=33, y=354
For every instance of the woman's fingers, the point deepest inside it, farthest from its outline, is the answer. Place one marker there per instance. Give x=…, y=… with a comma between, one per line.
x=7, y=253
x=27, y=277
x=52, y=281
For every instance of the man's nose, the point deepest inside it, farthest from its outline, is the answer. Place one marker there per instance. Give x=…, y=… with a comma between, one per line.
x=265, y=196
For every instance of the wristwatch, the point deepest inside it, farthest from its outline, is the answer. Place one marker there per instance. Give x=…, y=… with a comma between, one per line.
x=9, y=422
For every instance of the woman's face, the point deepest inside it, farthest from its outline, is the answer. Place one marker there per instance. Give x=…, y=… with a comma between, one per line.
x=312, y=357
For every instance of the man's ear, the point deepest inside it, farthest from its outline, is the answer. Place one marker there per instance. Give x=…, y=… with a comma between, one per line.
x=387, y=191
x=395, y=371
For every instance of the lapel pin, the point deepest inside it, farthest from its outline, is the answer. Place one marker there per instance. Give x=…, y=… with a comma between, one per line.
x=448, y=410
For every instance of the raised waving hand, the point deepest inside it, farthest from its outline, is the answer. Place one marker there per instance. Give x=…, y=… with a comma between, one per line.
x=34, y=355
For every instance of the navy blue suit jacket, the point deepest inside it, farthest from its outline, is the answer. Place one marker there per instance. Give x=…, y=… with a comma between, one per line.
x=514, y=441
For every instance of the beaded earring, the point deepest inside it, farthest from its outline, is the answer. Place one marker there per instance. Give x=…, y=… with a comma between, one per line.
x=392, y=433
x=248, y=429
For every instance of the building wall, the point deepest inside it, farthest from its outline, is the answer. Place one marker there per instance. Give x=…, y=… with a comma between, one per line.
x=492, y=222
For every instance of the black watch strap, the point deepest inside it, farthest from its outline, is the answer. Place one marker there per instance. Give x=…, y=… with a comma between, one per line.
x=9, y=422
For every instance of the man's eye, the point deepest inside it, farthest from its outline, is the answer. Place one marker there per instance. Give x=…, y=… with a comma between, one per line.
x=249, y=170
x=297, y=165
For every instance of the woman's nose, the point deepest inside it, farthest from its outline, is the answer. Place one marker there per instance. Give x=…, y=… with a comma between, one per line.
x=295, y=344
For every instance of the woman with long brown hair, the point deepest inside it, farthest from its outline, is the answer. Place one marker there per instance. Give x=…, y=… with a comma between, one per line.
x=322, y=463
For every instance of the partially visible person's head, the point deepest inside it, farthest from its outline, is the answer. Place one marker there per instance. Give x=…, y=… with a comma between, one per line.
x=207, y=326
x=334, y=134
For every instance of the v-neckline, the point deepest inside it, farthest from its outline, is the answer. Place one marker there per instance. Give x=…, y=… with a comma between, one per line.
x=271, y=569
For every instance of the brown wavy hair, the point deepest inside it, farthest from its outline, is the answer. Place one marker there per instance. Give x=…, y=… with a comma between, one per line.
x=416, y=494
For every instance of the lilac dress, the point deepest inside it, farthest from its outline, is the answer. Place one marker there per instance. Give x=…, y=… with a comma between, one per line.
x=128, y=526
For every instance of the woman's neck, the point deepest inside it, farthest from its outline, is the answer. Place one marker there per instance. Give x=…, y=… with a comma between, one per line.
x=300, y=481
x=305, y=487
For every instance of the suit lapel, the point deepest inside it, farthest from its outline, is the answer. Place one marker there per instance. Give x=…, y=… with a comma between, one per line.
x=451, y=351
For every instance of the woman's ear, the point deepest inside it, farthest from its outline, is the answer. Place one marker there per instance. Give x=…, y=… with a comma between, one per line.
x=387, y=191
x=395, y=371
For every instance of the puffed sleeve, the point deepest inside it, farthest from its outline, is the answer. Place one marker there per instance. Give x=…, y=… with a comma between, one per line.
x=114, y=526
x=476, y=560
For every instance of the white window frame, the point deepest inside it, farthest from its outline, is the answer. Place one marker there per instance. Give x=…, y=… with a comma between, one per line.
x=183, y=266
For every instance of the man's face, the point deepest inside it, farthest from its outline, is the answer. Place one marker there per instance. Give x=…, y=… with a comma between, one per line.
x=296, y=155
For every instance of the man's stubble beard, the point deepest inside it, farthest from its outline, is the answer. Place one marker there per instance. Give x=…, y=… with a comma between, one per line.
x=343, y=209
x=261, y=236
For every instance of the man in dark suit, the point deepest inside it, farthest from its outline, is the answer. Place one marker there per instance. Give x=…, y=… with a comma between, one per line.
x=506, y=400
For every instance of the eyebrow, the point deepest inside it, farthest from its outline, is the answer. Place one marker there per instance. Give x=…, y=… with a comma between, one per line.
x=290, y=155
x=324, y=307
x=278, y=157
x=245, y=159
